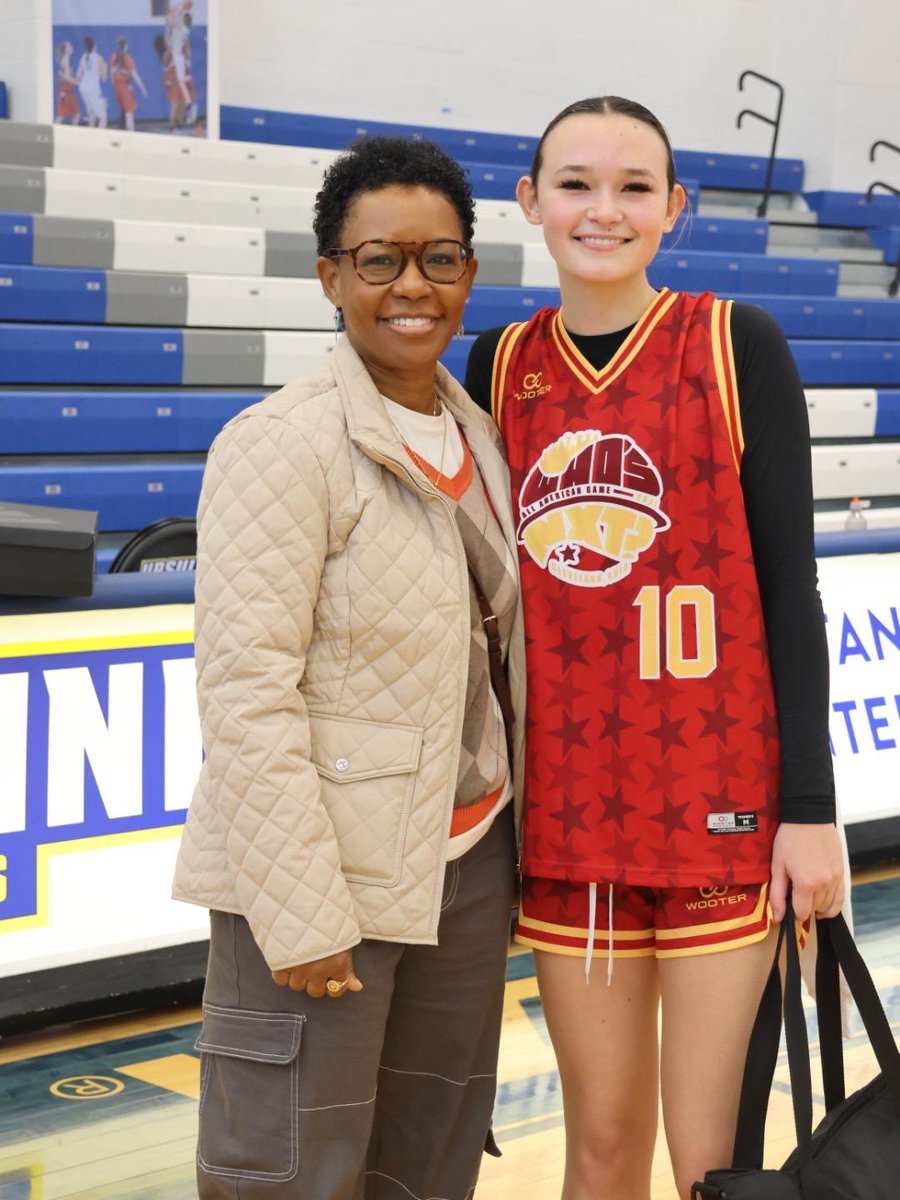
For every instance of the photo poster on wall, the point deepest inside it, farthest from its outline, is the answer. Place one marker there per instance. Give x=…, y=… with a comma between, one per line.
x=131, y=64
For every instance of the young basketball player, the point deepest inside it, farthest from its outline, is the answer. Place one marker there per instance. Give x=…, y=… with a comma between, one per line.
x=678, y=769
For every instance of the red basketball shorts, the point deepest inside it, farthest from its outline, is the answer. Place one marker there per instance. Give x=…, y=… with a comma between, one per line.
x=554, y=915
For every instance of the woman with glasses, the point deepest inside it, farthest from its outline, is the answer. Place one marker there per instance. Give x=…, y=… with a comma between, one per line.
x=356, y=624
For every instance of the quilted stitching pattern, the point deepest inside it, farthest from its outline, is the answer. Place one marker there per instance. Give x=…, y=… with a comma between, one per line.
x=330, y=579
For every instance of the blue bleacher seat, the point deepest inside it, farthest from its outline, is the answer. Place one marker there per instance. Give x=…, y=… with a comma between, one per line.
x=833, y=363
x=489, y=306
x=237, y=123
x=71, y=421
x=887, y=239
x=16, y=237
x=89, y=354
x=730, y=235
x=887, y=420
x=739, y=171
x=734, y=274
x=125, y=494
x=4, y=101
x=52, y=294
x=854, y=208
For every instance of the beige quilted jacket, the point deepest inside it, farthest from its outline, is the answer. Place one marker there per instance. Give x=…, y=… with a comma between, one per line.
x=332, y=641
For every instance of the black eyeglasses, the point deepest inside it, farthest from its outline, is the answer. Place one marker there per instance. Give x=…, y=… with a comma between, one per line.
x=440, y=261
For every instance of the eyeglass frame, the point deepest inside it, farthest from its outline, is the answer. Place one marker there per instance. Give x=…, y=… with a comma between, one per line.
x=416, y=248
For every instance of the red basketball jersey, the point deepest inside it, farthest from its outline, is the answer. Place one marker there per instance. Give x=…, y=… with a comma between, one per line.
x=652, y=744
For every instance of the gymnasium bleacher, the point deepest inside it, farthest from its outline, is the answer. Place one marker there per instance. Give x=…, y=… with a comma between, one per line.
x=151, y=288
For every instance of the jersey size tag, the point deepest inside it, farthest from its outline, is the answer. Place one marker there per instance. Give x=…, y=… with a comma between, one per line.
x=740, y=822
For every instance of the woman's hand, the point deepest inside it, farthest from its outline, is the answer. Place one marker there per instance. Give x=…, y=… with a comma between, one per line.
x=809, y=859
x=313, y=977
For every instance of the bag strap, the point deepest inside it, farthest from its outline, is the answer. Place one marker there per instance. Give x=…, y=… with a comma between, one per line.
x=762, y=1057
x=797, y=1038
x=836, y=948
x=499, y=681
x=843, y=952
x=759, y=1071
x=828, y=1010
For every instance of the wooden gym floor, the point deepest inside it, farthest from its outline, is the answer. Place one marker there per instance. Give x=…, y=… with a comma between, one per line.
x=108, y=1110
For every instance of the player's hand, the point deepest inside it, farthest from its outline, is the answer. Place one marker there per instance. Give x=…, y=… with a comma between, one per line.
x=807, y=858
x=313, y=977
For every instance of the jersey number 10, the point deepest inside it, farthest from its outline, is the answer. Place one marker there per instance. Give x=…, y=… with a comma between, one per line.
x=685, y=604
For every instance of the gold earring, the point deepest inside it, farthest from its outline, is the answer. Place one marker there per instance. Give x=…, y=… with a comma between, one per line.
x=460, y=331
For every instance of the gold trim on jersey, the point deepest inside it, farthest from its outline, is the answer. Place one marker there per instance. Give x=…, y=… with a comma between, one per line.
x=502, y=355
x=726, y=375
x=628, y=935
x=579, y=952
x=596, y=380
x=715, y=947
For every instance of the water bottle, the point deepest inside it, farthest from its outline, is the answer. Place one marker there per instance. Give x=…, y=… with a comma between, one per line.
x=856, y=517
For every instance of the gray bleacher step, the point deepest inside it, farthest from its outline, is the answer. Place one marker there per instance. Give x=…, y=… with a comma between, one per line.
x=862, y=291
x=877, y=275
x=784, y=208
x=781, y=235
x=844, y=254
x=848, y=245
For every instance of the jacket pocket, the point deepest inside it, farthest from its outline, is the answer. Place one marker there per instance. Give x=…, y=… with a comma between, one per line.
x=248, y=1093
x=367, y=771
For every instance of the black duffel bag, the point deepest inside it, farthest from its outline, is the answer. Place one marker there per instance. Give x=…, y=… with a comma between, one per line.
x=854, y=1153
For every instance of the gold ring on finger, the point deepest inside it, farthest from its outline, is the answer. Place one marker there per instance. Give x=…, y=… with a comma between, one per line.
x=334, y=987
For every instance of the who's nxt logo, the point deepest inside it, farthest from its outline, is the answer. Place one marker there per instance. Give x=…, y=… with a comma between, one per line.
x=589, y=507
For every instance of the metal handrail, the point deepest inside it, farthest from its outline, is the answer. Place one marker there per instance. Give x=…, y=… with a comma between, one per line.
x=775, y=122
x=894, y=286
x=881, y=142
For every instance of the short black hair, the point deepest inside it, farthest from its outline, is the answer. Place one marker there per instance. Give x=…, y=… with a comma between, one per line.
x=378, y=162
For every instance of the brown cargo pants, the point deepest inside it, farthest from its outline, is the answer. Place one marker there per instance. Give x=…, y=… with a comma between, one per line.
x=385, y=1094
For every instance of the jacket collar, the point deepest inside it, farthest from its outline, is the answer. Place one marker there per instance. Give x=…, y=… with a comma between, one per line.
x=368, y=422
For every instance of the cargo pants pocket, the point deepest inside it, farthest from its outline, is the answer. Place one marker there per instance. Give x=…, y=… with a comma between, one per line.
x=248, y=1093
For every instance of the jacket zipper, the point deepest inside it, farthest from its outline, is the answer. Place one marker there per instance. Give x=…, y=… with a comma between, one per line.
x=433, y=493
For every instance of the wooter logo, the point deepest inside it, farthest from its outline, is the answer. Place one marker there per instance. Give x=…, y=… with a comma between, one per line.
x=533, y=386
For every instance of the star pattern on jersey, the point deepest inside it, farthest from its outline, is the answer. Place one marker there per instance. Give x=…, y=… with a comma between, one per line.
x=623, y=770
x=705, y=470
x=716, y=722
x=570, y=815
x=615, y=641
x=614, y=807
x=570, y=732
x=613, y=724
x=570, y=649
x=667, y=559
x=669, y=731
x=671, y=817
x=710, y=553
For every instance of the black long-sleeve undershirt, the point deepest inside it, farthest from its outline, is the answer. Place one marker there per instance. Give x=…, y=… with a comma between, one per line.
x=776, y=478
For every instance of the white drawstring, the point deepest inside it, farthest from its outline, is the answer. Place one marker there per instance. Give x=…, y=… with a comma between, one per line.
x=609, y=961
x=592, y=923
x=591, y=937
